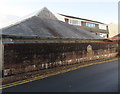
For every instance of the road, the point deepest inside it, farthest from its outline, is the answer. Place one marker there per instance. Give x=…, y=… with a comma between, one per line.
x=96, y=78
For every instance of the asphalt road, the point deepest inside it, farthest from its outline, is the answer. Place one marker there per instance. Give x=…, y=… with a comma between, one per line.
x=96, y=78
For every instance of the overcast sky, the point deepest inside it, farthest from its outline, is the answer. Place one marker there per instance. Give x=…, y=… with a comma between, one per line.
x=105, y=11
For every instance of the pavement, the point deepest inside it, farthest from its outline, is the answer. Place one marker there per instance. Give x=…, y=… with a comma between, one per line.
x=96, y=78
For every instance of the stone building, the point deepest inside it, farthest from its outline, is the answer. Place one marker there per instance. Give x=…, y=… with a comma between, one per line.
x=42, y=42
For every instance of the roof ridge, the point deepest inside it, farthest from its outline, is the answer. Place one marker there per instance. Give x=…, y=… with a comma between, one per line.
x=46, y=14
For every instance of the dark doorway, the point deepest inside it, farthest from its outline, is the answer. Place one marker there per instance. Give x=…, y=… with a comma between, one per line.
x=66, y=20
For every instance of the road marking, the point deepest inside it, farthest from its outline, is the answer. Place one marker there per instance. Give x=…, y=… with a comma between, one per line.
x=51, y=74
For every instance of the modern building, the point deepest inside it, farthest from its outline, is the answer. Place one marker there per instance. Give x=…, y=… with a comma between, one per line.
x=95, y=27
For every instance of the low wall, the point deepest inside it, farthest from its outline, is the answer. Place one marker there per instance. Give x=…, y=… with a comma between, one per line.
x=21, y=58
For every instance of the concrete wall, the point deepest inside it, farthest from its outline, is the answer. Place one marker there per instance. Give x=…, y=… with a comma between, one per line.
x=113, y=30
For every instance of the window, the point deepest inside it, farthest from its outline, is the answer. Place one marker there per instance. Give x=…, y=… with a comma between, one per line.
x=102, y=26
x=90, y=24
x=75, y=22
x=103, y=35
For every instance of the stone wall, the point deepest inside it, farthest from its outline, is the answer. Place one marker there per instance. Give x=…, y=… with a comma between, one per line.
x=21, y=58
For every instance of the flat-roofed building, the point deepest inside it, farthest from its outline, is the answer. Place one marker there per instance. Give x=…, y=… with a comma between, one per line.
x=95, y=27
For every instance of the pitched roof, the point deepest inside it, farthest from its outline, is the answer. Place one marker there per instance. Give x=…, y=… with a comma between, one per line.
x=118, y=35
x=45, y=13
x=45, y=25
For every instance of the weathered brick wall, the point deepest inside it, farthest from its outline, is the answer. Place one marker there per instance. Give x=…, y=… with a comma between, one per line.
x=20, y=58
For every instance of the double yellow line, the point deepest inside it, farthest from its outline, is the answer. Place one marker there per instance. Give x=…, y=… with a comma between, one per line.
x=51, y=74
